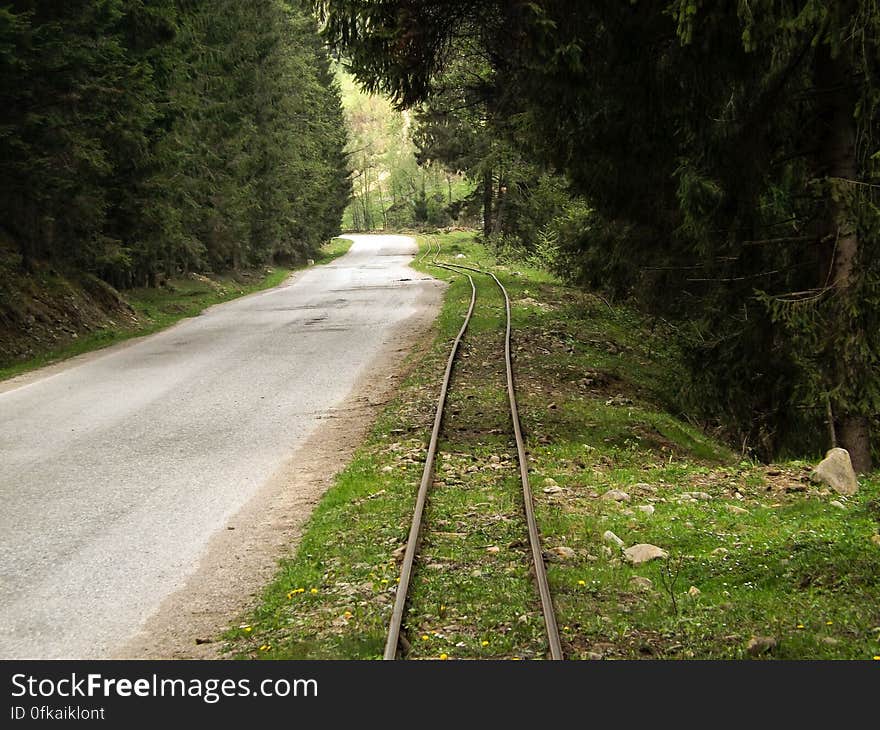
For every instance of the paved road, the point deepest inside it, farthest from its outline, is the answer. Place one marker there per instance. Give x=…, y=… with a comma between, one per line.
x=115, y=473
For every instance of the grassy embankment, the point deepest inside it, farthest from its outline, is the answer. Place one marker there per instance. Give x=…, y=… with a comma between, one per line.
x=148, y=310
x=754, y=551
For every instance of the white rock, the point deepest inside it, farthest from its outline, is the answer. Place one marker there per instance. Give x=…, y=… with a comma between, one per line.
x=732, y=508
x=611, y=537
x=549, y=483
x=642, y=487
x=616, y=495
x=836, y=470
x=552, y=490
x=722, y=551
x=837, y=503
x=643, y=552
x=648, y=509
x=566, y=553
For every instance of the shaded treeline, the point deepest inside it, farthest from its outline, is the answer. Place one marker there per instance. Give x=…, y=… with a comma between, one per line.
x=715, y=163
x=141, y=139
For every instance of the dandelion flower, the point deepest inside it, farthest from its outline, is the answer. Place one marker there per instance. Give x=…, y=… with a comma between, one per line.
x=484, y=643
x=313, y=591
x=425, y=637
x=828, y=623
x=444, y=656
x=265, y=647
x=248, y=629
x=582, y=582
x=800, y=626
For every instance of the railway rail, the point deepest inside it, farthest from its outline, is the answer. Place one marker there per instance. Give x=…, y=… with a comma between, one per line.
x=400, y=602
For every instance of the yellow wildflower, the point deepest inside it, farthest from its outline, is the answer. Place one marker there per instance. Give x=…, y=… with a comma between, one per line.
x=443, y=656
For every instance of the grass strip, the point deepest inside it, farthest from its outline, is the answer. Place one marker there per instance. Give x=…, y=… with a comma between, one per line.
x=760, y=562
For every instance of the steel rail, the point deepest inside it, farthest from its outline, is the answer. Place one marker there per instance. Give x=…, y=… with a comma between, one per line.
x=409, y=555
x=550, y=623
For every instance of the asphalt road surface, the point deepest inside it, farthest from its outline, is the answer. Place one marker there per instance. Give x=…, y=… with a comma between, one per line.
x=116, y=472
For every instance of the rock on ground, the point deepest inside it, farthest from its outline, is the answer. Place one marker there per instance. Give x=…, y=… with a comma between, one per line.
x=611, y=537
x=761, y=645
x=644, y=552
x=616, y=495
x=836, y=470
x=644, y=584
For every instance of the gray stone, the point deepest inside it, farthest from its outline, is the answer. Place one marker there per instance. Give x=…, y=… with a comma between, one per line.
x=733, y=509
x=566, y=553
x=836, y=470
x=643, y=584
x=648, y=509
x=643, y=487
x=616, y=495
x=643, y=552
x=837, y=503
x=611, y=537
x=761, y=645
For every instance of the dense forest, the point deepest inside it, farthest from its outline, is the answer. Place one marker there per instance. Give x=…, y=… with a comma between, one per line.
x=716, y=163
x=141, y=139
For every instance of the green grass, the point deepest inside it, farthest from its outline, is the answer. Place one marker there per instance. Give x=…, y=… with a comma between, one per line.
x=753, y=550
x=158, y=308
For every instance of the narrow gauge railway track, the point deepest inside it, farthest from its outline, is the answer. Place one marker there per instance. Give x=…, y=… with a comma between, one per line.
x=400, y=602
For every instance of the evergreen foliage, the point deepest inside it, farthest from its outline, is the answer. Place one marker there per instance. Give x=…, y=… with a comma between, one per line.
x=727, y=155
x=143, y=139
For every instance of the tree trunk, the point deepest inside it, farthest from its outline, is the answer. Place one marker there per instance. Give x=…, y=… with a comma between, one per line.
x=382, y=205
x=837, y=160
x=855, y=437
x=488, y=194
